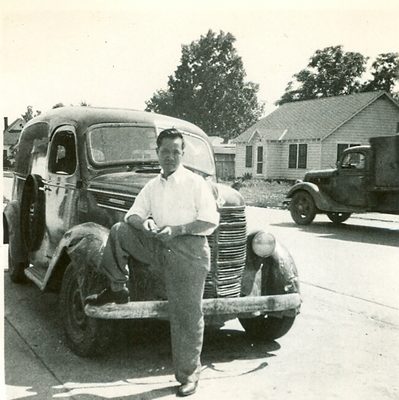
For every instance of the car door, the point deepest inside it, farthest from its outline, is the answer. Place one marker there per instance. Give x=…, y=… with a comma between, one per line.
x=60, y=185
x=350, y=186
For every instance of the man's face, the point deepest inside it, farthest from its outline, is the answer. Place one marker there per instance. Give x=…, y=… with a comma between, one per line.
x=170, y=154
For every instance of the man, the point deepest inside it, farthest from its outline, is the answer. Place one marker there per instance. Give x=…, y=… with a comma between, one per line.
x=167, y=226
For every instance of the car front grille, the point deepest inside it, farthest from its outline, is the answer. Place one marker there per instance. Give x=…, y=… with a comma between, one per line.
x=228, y=253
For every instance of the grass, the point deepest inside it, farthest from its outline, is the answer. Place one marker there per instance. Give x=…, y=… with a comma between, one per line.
x=263, y=193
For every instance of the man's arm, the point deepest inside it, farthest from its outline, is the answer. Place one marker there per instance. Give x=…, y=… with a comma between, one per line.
x=193, y=228
x=147, y=225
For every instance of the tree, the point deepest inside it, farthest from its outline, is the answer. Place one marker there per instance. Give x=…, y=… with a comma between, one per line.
x=29, y=114
x=385, y=72
x=330, y=72
x=58, y=105
x=208, y=88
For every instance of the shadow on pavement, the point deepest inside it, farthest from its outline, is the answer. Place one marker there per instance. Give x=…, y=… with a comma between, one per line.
x=137, y=365
x=350, y=232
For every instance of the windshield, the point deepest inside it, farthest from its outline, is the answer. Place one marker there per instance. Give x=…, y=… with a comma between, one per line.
x=121, y=144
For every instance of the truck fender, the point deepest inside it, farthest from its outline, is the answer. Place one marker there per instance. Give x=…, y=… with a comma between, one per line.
x=322, y=201
x=82, y=245
x=12, y=233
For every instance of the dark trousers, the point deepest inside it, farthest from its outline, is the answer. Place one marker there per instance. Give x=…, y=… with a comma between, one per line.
x=185, y=261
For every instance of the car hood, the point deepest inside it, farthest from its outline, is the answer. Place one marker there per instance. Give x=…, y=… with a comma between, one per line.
x=122, y=182
x=317, y=174
x=132, y=182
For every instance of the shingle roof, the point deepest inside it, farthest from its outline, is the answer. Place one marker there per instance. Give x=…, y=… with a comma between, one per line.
x=310, y=119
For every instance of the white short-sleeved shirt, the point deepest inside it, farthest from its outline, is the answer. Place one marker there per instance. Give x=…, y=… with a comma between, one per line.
x=182, y=198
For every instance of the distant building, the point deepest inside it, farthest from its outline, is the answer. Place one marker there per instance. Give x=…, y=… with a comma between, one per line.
x=312, y=134
x=11, y=134
x=224, y=157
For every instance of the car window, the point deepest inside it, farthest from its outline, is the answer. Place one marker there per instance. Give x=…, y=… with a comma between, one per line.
x=354, y=160
x=197, y=154
x=62, y=158
x=122, y=144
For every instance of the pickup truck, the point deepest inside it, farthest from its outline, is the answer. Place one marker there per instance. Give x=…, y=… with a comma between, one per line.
x=78, y=170
x=366, y=179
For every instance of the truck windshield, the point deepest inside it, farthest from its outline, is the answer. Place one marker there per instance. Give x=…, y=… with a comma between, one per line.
x=120, y=144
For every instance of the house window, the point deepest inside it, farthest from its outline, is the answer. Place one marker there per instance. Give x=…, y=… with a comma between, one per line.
x=248, y=157
x=259, y=160
x=302, y=155
x=397, y=127
x=297, y=156
x=342, y=146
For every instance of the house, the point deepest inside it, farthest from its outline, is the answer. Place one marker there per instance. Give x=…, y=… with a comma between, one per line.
x=10, y=136
x=312, y=134
x=224, y=157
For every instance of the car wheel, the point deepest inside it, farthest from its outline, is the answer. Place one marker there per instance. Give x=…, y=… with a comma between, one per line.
x=32, y=212
x=266, y=327
x=302, y=208
x=85, y=336
x=338, y=217
x=16, y=269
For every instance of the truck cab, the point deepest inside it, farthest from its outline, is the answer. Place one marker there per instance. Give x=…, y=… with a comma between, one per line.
x=365, y=180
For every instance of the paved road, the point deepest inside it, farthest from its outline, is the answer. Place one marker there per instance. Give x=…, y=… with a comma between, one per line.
x=344, y=345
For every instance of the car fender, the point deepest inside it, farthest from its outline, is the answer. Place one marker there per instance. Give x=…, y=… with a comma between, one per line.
x=322, y=201
x=273, y=275
x=82, y=245
x=11, y=231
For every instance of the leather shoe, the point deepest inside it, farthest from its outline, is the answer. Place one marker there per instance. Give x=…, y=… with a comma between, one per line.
x=187, y=389
x=108, y=296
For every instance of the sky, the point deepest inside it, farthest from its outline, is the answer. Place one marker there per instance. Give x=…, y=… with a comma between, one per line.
x=118, y=53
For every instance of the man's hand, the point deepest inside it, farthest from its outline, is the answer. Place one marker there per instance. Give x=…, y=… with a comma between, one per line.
x=150, y=227
x=168, y=233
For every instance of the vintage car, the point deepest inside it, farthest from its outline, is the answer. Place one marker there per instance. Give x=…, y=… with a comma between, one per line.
x=366, y=180
x=78, y=170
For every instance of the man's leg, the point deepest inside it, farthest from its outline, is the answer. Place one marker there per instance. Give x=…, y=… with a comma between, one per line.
x=186, y=267
x=123, y=241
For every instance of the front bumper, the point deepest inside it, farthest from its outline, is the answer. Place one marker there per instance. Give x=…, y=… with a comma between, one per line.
x=220, y=306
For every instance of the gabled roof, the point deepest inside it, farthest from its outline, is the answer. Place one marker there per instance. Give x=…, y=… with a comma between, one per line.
x=311, y=119
x=11, y=134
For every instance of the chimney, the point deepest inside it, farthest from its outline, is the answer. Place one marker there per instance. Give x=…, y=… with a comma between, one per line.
x=5, y=123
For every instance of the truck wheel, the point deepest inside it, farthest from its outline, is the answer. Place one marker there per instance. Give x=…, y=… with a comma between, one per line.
x=302, y=208
x=85, y=336
x=338, y=217
x=266, y=327
x=32, y=212
x=16, y=269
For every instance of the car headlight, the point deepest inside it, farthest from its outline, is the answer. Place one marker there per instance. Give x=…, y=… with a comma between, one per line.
x=263, y=244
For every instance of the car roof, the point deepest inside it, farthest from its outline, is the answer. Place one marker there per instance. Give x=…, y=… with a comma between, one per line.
x=363, y=148
x=83, y=116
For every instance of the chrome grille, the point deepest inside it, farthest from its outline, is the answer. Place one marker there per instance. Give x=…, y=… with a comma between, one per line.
x=112, y=200
x=228, y=253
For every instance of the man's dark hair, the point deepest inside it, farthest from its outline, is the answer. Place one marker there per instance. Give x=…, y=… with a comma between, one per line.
x=171, y=133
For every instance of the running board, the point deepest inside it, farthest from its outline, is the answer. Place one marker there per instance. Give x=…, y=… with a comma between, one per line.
x=37, y=275
x=218, y=306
